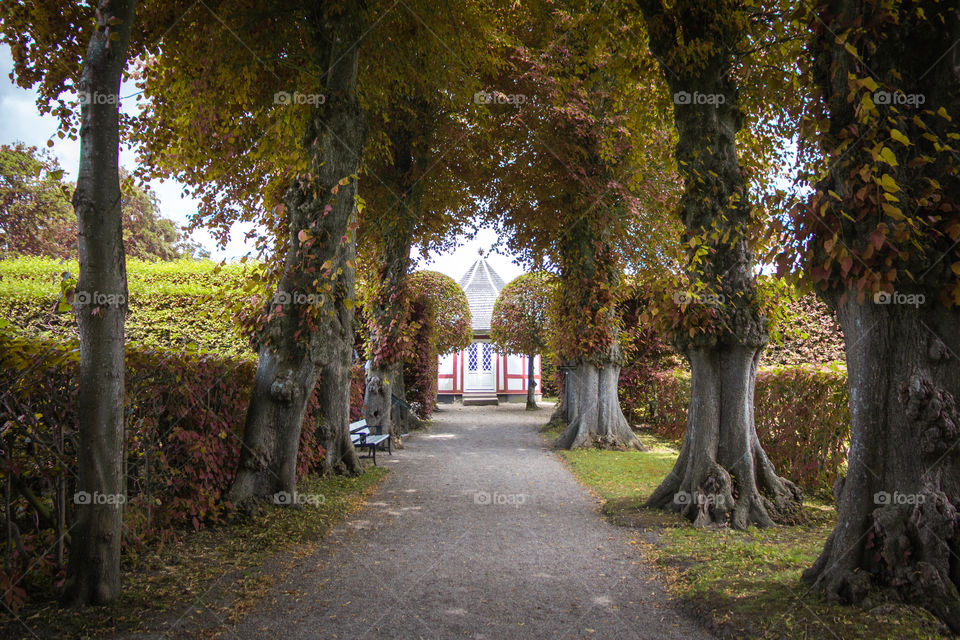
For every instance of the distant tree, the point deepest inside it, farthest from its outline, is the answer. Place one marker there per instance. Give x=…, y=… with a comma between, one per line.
x=520, y=319
x=36, y=217
x=146, y=234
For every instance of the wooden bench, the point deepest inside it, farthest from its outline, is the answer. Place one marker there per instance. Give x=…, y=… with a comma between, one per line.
x=363, y=438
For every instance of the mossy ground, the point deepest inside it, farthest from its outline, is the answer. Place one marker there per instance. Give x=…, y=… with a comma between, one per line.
x=743, y=584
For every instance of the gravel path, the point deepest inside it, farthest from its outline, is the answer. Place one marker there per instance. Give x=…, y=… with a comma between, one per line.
x=479, y=531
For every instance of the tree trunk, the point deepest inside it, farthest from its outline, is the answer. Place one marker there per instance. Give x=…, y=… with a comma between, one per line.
x=898, y=533
x=101, y=306
x=595, y=417
x=722, y=471
x=565, y=398
x=302, y=342
x=531, y=384
x=280, y=395
x=409, y=140
x=382, y=384
x=898, y=530
x=335, y=377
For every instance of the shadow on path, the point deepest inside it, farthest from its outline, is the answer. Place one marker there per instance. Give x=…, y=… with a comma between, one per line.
x=479, y=531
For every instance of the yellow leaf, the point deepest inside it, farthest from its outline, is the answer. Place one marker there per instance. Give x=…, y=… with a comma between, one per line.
x=887, y=156
x=889, y=184
x=899, y=137
x=869, y=83
x=892, y=211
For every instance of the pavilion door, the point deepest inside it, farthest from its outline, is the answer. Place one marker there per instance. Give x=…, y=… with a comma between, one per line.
x=480, y=375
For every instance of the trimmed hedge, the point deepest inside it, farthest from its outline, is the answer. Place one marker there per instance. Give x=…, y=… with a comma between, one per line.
x=185, y=416
x=801, y=413
x=178, y=305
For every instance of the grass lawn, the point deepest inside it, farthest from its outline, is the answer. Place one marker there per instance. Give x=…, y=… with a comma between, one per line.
x=742, y=583
x=208, y=576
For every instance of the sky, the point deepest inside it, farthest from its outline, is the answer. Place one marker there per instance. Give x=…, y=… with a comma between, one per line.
x=20, y=122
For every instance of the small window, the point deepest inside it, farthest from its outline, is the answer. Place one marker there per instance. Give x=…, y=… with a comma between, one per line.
x=472, y=357
x=487, y=357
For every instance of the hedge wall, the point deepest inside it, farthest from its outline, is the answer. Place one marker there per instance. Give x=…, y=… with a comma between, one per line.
x=174, y=305
x=185, y=415
x=801, y=414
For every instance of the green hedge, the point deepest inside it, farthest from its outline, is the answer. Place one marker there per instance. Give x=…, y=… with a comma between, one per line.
x=176, y=305
x=801, y=413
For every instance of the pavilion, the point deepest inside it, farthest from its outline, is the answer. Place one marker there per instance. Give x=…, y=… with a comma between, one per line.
x=478, y=374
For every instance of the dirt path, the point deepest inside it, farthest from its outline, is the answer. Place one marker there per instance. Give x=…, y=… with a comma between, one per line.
x=479, y=531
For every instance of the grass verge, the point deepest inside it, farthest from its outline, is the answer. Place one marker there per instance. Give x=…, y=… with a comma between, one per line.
x=740, y=583
x=207, y=578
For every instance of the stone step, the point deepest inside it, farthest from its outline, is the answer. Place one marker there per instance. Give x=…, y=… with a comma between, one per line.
x=480, y=398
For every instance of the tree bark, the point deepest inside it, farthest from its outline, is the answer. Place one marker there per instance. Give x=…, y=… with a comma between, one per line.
x=531, y=384
x=595, y=418
x=303, y=343
x=722, y=472
x=101, y=306
x=898, y=531
x=378, y=406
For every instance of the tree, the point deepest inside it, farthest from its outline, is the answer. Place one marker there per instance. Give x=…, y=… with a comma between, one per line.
x=438, y=323
x=35, y=213
x=321, y=217
x=722, y=473
x=84, y=48
x=94, y=571
x=36, y=216
x=419, y=151
x=879, y=240
x=238, y=173
x=565, y=191
x=95, y=550
x=519, y=321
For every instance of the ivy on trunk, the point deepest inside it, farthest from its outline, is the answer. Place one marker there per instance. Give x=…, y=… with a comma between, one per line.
x=722, y=475
x=304, y=342
x=879, y=238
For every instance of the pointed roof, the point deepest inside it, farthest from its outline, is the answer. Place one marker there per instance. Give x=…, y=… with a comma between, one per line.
x=482, y=285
